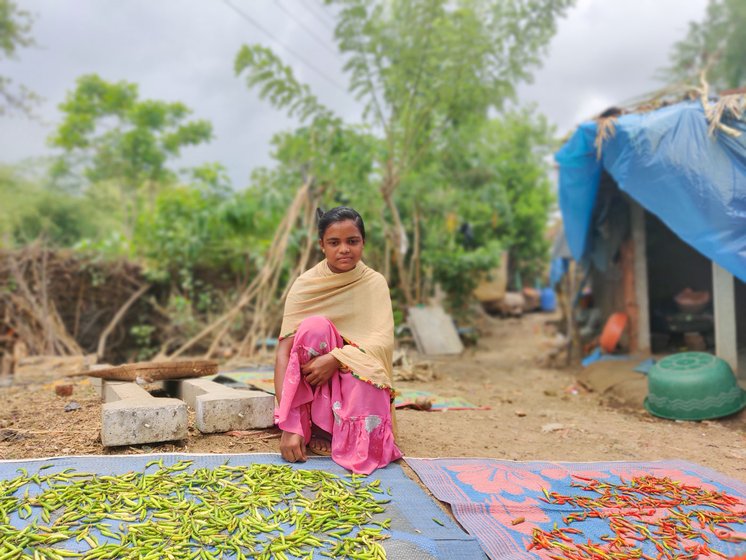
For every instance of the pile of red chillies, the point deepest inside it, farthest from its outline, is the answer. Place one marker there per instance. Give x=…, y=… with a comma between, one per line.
x=677, y=519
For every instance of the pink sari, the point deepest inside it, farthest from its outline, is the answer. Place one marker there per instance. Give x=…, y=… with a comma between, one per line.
x=357, y=414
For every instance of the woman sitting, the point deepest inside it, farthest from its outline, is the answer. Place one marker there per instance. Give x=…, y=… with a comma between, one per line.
x=333, y=364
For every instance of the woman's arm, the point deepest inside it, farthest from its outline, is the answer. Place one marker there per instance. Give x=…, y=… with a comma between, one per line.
x=292, y=446
x=282, y=357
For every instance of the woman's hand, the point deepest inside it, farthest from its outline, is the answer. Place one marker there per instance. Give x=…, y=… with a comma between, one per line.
x=292, y=447
x=320, y=369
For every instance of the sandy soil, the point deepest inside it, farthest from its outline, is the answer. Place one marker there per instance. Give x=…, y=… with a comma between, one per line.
x=535, y=414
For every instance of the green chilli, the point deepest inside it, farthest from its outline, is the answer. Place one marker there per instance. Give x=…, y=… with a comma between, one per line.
x=255, y=511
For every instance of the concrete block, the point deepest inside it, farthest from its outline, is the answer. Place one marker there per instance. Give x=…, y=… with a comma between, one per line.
x=130, y=415
x=98, y=386
x=434, y=331
x=221, y=409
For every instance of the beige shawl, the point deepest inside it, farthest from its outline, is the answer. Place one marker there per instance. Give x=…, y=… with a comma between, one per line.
x=359, y=304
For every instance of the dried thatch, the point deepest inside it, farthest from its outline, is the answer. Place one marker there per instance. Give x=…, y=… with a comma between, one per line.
x=731, y=104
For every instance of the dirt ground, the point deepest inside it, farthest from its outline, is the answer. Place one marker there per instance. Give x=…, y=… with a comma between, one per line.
x=535, y=414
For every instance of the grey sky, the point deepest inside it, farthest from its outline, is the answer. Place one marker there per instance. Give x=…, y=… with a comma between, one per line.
x=605, y=51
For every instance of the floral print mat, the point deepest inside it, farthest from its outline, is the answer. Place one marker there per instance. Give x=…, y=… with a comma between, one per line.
x=609, y=510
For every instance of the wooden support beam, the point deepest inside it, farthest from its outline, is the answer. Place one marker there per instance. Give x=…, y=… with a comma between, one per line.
x=724, y=301
x=641, y=276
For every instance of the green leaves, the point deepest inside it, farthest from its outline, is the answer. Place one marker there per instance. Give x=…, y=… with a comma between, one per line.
x=109, y=135
x=277, y=83
x=715, y=45
x=421, y=66
x=15, y=28
x=134, y=138
x=15, y=33
x=428, y=72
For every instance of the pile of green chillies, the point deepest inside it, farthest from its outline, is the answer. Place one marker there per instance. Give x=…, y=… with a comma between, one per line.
x=255, y=511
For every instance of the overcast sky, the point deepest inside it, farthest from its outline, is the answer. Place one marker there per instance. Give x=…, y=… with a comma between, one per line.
x=605, y=52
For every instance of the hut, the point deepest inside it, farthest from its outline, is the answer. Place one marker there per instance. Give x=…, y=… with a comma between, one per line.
x=653, y=203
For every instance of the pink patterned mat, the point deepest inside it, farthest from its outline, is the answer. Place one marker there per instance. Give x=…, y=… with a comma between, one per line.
x=574, y=511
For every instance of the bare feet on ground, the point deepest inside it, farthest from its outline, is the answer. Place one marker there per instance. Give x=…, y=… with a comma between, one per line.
x=320, y=446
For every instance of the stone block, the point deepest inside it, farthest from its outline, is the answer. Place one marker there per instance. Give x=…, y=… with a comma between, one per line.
x=221, y=409
x=130, y=415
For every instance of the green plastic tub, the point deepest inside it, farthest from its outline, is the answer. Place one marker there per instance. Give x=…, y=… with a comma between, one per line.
x=693, y=386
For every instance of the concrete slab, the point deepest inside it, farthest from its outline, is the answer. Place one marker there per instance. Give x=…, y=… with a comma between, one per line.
x=130, y=415
x=98, y=386
x=221, y=409
x=434, y=331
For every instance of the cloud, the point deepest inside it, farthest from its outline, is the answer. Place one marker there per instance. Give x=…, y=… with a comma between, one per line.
x=179, y=50
x=605, y=53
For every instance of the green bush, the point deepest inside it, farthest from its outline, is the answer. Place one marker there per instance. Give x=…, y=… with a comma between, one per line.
x=458, y=270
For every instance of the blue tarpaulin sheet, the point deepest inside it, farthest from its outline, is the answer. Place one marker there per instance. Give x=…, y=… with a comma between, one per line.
x=666, y=161
x=419, y=528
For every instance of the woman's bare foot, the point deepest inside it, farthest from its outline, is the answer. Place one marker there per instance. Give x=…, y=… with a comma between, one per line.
x=321, y=442
x=320, y=446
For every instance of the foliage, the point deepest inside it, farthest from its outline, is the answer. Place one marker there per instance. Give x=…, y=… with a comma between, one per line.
x=205, y=230
x=109, y=135
x=458, y=270
x=55, y=217
x=15, y=33
x=427, y=67
x=716, y=45
x=143, y=337
x=444, y=175
x=29, y=209
x=424, y=70
x=519, y=146
x=278, y=83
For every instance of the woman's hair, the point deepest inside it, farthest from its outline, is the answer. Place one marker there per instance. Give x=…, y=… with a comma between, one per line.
x=338, y=214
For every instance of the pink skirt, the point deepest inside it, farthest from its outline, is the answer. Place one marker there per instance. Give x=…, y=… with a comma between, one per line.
x=355, y=413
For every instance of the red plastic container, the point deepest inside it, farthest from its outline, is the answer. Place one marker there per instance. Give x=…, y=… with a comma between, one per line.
x=612, y=332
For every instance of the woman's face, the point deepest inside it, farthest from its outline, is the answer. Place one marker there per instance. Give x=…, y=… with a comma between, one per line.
x=342, y=245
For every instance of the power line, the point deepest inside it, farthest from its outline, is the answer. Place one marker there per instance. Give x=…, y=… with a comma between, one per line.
x=323, y=9
x=308, y=29
x=329, y=23
x=300, y=57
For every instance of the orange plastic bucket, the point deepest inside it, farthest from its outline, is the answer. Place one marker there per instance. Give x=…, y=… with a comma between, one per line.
x=612, y=332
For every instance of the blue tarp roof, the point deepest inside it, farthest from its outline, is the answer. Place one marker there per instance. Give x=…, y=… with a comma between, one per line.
x=665, y=160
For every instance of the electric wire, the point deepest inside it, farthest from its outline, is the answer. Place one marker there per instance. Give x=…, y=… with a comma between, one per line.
x=304, y=26
x=300, y=57
x=325, y=9
x=319, y=13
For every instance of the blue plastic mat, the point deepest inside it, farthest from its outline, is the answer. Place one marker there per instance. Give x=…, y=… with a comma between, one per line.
x=419, y=528
x=669, y=162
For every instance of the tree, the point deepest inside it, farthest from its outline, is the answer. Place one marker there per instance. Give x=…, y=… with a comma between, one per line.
x=110, y=136
x=30, y=208
x=516, y=148
x=500, y=203
x=716, y=46
x=420, y=67
x=15, y=33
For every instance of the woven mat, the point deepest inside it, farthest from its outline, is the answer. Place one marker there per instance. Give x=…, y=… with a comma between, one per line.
x=409, y=398
x=415, y=533
x=503, y=502
x=262, y=378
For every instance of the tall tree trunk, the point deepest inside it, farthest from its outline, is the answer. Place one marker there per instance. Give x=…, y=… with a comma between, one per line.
x=387, y=191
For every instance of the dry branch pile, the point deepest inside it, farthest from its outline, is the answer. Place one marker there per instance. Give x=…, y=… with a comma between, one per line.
x=61, y=303
x=259, y=301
